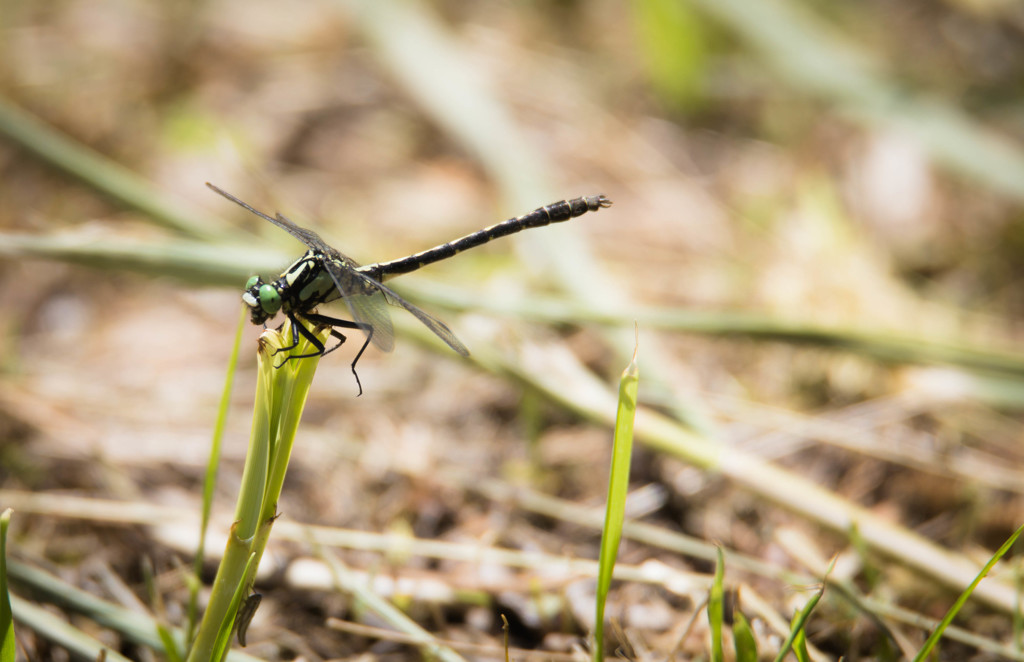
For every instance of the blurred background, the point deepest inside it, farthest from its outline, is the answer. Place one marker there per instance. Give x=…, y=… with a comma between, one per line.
x=816, y=229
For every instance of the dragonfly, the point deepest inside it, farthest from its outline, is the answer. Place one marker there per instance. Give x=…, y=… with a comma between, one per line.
x=324, y=274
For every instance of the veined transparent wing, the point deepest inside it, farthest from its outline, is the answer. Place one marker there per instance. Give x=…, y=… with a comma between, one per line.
x=366, y=298
x=308, y=237
x=363, y=297
x=439, y=328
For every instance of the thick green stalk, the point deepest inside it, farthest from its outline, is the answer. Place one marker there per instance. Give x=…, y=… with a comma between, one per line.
x=280, y=397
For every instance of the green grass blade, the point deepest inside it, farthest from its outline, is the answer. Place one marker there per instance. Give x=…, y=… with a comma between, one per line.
x=132, y=625
x=1018, y=608
x=188, y=261
x=800, y=646
x=170, y=645
x=57, y=630
x=743, y=638
x=257, y=459
x=618, y=487
x=223, y=642
x=796, y=639
x=7, y=645
x=210, y=480
x=933, y=639
x=716, y=609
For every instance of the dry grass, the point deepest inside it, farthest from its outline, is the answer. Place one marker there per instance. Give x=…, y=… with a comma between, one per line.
x=468, y=490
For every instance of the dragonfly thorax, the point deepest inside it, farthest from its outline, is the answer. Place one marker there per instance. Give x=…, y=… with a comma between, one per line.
x=302, y=287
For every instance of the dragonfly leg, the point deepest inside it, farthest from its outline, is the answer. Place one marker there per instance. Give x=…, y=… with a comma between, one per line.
x=346, y=324
x=295, y=342
x=318, y=347
x=299, y=329
x=295, y=339
x=341, y=338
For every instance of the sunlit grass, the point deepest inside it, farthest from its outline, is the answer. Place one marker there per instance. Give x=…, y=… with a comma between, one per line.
x=933, y=639
x=7, y=643
x=281, y=390
x=797, y=49
x=618, y=488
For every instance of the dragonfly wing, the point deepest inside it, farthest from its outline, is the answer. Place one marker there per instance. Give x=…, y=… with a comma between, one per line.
x=371, y=309
x=363, y=297
x=308, y=237
x=439, y=328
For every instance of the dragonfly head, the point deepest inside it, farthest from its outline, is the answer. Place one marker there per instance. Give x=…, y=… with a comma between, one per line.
x=263, y=299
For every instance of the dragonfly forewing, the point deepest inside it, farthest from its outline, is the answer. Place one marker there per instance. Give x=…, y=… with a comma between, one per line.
x=439, y=328
x=364, y=299
x=308, y=237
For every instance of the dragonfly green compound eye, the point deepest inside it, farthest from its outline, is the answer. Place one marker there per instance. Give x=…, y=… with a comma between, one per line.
x=270, y=299
x=251, y=282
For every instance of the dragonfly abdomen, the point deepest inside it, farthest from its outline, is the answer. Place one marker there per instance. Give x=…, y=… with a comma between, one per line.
x=553, y=213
